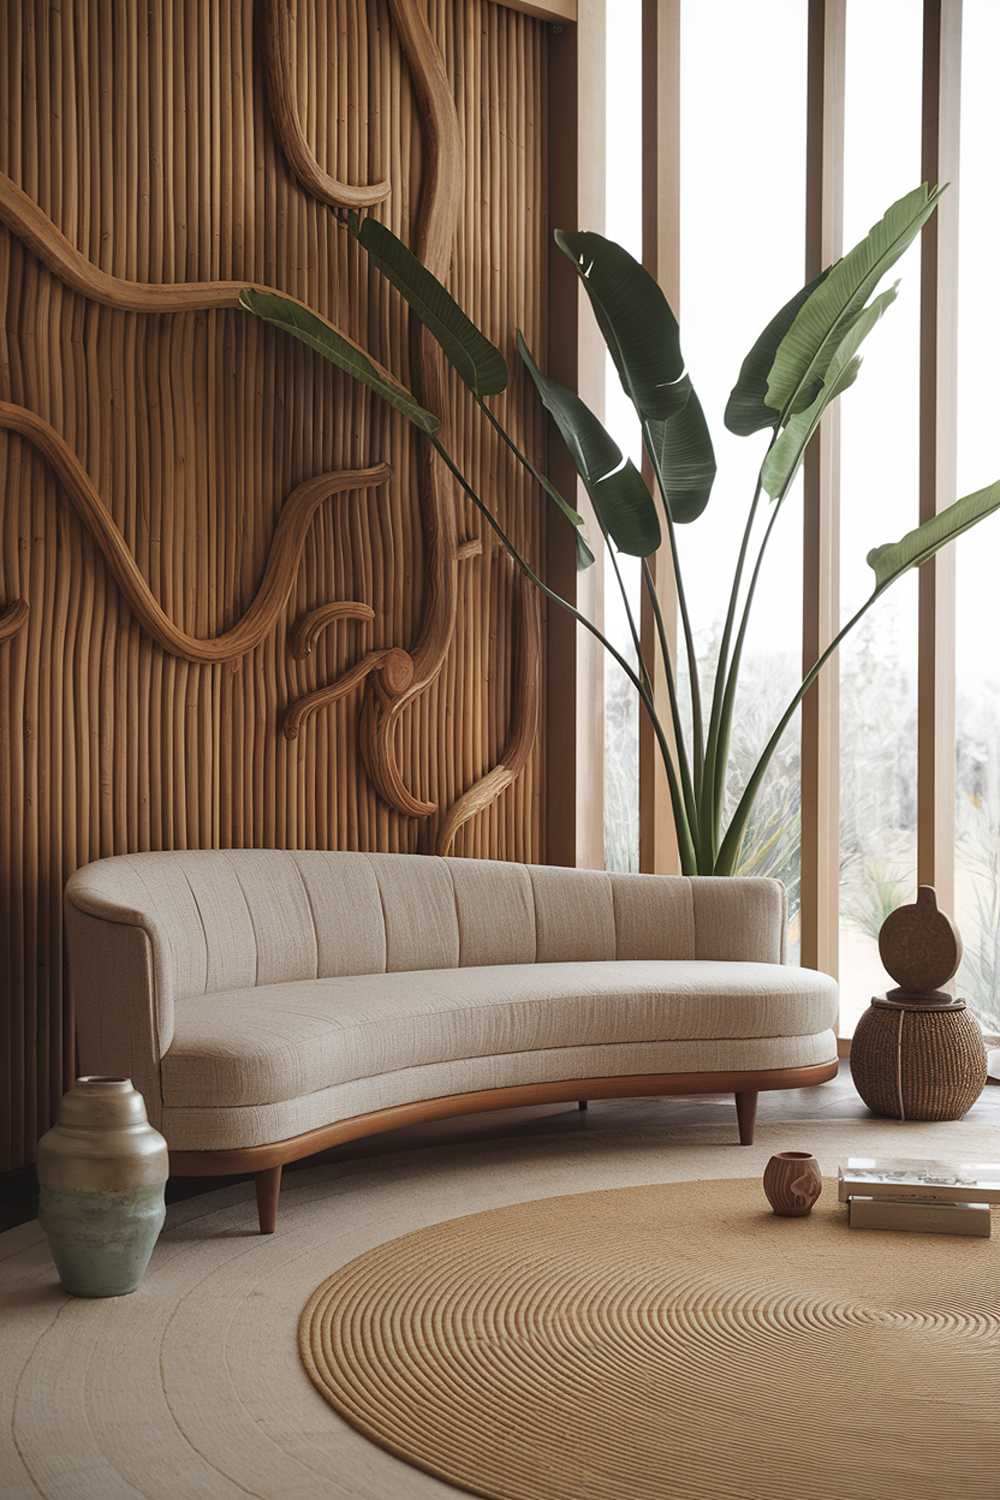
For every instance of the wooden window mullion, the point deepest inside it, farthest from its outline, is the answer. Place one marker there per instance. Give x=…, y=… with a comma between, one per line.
x=820, y=767
x=661, y=253
x=942, y=46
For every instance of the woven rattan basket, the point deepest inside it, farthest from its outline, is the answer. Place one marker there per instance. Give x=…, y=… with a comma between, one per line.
x=918, y=1061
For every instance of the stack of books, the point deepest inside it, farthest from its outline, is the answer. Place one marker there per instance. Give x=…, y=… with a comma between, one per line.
x=924, y=1197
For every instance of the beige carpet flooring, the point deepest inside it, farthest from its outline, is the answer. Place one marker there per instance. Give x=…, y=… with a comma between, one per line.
x=193, y=1387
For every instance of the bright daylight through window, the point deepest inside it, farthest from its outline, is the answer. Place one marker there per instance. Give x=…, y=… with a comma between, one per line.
x=977, y=564
x=879, y=501
x=726, y=296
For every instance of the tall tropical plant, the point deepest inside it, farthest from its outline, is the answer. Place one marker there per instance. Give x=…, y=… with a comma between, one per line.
x=805, y=358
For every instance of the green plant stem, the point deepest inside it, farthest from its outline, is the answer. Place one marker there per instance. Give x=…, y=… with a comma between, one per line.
x=525, y=461
x=714, y=783
x=697, y=729
x=685, y=845
x=518, y=452
x=715, y=764
x=725, y=725
x=633, y=628
x=675, y=713
x=732, y=683
x=729, y=852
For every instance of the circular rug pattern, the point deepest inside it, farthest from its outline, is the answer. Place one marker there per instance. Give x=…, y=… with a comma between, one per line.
x=670, y=1340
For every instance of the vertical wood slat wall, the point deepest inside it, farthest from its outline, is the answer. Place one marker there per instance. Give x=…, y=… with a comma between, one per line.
x=662, y=65
x=144, y=133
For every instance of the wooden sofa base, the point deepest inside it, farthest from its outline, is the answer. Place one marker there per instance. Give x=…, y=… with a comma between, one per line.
x=266, y=1162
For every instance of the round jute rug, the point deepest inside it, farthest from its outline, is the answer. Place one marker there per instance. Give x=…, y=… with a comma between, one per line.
x=674, y=1340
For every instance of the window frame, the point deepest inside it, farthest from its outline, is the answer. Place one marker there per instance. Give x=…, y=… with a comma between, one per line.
x=820, y=789
x=574, y=724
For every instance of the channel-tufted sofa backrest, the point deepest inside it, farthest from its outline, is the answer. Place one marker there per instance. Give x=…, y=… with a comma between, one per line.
x=225, y=920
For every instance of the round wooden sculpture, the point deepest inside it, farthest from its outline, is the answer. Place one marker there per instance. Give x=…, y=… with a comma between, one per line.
x=919, y=946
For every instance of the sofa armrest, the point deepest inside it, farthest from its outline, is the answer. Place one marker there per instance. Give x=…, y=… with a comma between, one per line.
x=739, y=918
x=122, y=1006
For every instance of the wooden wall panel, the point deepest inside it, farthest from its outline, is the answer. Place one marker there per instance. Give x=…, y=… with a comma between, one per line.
x=145, y=134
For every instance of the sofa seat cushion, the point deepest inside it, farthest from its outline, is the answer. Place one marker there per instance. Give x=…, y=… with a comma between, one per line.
x=281, y=1041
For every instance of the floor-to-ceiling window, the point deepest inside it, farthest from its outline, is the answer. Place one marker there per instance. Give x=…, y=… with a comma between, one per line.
x=623, y=218
x=742, y=220
x=879, y=502
x=734, y=275
x=890, y=75
x=977, y=659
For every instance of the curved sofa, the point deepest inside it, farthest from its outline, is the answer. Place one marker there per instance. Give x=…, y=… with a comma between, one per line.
x=269, y=1004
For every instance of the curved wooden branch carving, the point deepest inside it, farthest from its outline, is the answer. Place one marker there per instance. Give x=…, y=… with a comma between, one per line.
x=379, y=714
x=525, y=719
x=440, y=201
x=279, y=575
x=13, y=619
x=443, y=172
x=394, y=669
x=277, y=28
x=23, y=217
x=390, y=692
x=392, y=664
x=309, y=627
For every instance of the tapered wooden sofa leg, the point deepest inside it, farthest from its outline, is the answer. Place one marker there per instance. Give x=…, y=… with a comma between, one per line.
x=268, y=1184
x=746, y=1114
x=584, y=1105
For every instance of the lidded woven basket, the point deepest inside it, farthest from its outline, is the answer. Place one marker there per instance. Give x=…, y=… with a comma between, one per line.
x=917, y=1053
x=915, y=1062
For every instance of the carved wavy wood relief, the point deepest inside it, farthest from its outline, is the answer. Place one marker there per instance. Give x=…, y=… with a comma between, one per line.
x=25, y=219
x=278, y=24
x=441, y=194
x=279, y=575
x=309, y=627
x=13, y=619
x=196, y=649
x=391, y=690
x=526, y=716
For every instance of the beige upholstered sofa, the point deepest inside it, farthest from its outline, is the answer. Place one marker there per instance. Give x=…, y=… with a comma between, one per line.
x=270, y=1004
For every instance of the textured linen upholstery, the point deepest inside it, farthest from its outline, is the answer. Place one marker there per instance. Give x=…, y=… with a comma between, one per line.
x=260, y=1046
x=248, y=990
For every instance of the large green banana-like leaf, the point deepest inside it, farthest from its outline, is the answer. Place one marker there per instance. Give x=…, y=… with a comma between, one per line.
x=623, y=504
x=635, y=318
x=477, y=361
x=893, y=559
x=685, y=458
x=805, y=352
x=747, y=410
x=315, y=332
x=584, y=557
x=782, y=462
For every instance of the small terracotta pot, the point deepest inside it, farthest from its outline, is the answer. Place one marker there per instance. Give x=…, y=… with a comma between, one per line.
x=792, y=1182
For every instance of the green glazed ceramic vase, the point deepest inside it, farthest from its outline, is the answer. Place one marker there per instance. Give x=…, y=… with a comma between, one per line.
x=102, y=1170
